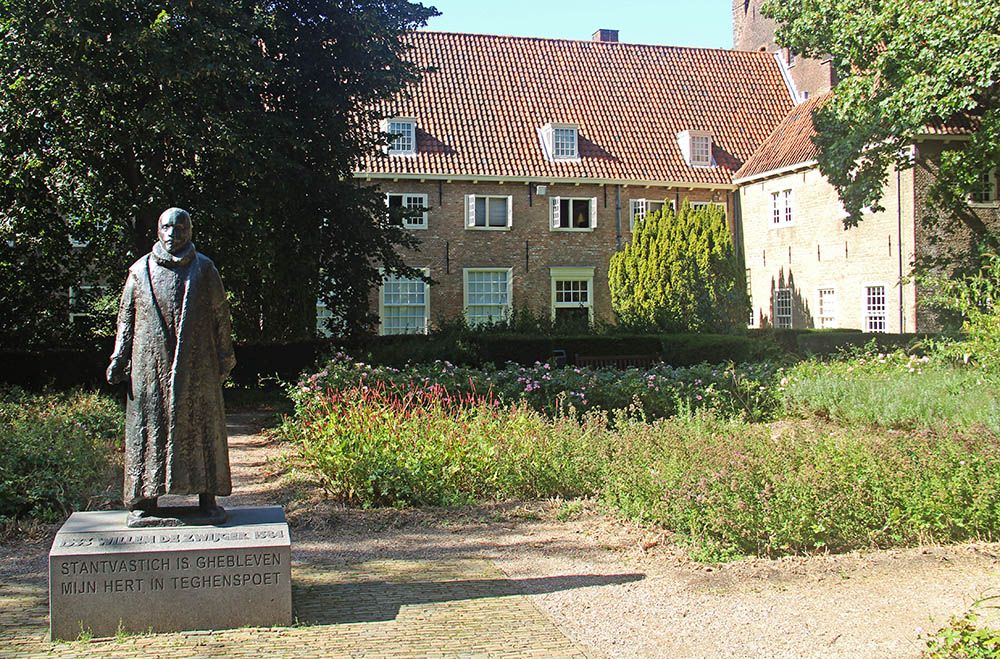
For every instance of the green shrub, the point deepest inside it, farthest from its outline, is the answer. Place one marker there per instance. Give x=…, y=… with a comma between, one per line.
x=57, y=452
x=377, y=447
x=680, y=273
x=895, y=390
x=966, y=636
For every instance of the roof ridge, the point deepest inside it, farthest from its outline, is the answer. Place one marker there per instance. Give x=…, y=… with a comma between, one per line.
x=611, y=44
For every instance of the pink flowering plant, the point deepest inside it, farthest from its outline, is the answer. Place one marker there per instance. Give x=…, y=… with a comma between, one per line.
x=659, y=391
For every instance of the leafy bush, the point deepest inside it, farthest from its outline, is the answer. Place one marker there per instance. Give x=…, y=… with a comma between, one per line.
x=57, y=452
x=966, y=636
x=680, y=273
x=380, y=447
x=895, y=390
x=977, y=299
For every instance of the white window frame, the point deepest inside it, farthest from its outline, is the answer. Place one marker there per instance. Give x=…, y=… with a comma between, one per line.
x=470, y=212
x=780, y=292
x=993, y=194
x=465, y=293
x=553, y=148
x=403, y=136
x=381, y=303
x=641, y=208
x=555, y=213
x=691, y=142
x=782, y=208
x=585, y=274
x=826, y=307
x=870, y=316
x=407, y=202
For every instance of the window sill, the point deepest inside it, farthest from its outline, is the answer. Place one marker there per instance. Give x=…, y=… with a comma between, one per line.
x=402, y=154
x=984, y=204
x=573, y=229
x=415, y=227
x=468, y=228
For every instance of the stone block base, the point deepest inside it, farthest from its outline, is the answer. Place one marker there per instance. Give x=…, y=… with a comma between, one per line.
x=105, y=577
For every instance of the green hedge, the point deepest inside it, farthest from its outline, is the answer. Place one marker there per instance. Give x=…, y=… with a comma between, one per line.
x=828, y=343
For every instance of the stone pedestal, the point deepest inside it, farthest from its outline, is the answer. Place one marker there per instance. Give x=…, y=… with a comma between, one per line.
x=104, y=576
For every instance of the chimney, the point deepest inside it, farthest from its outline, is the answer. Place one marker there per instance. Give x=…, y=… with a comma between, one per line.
x=605, y=35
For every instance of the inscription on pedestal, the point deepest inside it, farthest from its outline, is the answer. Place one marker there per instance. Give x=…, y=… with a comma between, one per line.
x=104, y=577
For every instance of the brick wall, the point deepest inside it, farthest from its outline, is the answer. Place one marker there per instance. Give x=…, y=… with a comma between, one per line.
x=815, y=251
x=529, y=247
x=937, y=238
x=753, y=31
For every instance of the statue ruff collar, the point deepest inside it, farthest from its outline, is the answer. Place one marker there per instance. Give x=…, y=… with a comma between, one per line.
x=165, y=258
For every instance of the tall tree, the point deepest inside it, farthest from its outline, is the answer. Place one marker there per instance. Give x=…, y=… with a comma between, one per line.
x=249, y=113
x=680, y=273
x=903, y=66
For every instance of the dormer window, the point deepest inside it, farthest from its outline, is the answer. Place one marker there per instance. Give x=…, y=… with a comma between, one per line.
x=696, y=145
x=560, y=141
x=402, y=136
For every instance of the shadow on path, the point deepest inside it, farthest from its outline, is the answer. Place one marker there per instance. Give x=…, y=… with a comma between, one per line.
x=373, y=601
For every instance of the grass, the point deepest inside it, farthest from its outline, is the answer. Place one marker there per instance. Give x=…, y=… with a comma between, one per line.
x=895, y=391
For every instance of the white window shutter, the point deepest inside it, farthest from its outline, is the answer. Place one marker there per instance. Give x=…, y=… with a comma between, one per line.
x=470, y=210
x=593, y=212
x=555, y=212
x=510, y=211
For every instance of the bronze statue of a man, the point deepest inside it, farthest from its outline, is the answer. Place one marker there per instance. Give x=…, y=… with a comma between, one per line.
x=174, y=351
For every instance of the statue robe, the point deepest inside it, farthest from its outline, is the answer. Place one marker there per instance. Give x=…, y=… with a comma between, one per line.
x=174, y=329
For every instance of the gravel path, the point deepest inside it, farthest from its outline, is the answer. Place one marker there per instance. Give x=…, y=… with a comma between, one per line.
x=611, y=588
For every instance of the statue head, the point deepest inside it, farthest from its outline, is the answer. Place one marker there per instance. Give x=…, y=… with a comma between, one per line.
x=174, y=229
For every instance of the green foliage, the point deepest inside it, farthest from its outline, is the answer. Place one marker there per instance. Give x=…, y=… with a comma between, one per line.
x=249, y=114
x=657, y=391
x=57, y=452
x=680, y=273
x=732, y=488
x=377, y=447
x=726, y=486
x=895, y=390
x=976, y=298
x=966, y=636
x=902, y=66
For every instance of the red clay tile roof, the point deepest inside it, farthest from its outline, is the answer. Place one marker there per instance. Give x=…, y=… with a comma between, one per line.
x=790, y=143
x=479, y=111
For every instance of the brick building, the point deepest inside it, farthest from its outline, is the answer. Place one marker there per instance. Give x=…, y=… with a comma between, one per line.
x=532, y=156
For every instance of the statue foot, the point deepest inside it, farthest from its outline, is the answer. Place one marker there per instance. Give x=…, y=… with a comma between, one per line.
x=146, y=513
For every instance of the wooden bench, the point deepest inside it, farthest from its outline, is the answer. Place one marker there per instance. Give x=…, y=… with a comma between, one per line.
x=616, y=361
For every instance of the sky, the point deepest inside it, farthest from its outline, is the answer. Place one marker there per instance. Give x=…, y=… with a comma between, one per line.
x=701, y=23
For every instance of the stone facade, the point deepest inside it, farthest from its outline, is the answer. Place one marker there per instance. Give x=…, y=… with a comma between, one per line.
x=529, y=247
x=753, y=31
x=814, y=252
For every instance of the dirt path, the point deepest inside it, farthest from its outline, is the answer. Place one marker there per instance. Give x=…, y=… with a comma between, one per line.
x=513, y=579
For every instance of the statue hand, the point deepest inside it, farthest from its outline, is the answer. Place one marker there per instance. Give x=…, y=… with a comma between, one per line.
x=116, y=372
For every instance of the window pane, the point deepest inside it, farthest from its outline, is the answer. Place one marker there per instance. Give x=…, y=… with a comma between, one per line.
x=480, y=211
x=404, y=306
x=875, y=318
x=486, y=295
x=498, y=211
x=581, y=213
x=783, y=308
